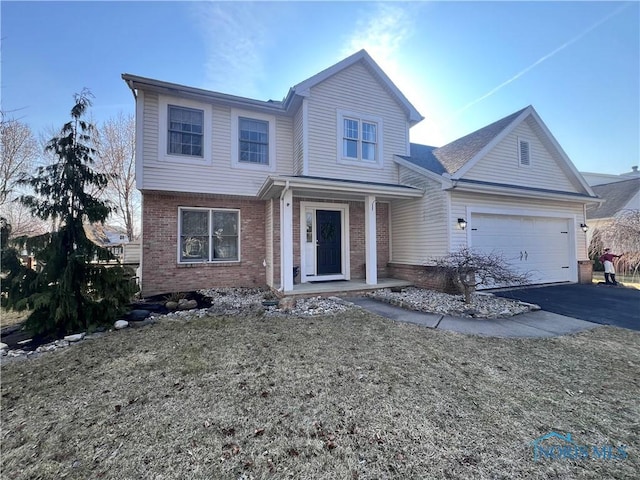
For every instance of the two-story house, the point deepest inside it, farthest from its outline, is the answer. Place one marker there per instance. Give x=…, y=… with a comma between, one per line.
x=325, y=185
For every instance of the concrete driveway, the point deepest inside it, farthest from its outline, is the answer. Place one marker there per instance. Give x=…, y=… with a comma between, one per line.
x=606, y=305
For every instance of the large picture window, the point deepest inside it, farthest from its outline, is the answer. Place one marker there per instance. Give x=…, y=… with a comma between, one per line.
x=185, y=135
x=209, y=235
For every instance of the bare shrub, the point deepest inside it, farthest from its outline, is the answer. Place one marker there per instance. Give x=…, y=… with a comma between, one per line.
x=469, y=268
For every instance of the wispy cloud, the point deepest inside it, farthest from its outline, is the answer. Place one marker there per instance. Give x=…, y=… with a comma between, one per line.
x=235, y=34
x=383, y=30
x=544, y=58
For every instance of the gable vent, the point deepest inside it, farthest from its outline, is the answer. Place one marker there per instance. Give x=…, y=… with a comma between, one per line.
x=524, y=153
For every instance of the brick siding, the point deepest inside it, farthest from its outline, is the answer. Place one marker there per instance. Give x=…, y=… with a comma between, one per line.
x=161, y=272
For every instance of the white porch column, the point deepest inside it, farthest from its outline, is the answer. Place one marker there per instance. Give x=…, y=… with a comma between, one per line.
x=286, y=241
x=371, y=253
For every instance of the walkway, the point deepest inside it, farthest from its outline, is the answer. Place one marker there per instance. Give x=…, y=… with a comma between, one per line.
x=526, y=325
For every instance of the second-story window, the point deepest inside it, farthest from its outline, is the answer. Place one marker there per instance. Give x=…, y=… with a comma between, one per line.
x=360, y=137
x=253, y=141
x=185, y=132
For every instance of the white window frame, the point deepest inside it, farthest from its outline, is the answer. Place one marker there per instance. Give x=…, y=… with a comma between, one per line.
x=343, y=115
x=522, y=141
x=210, y=259
x=236, y=115
x=163, y=133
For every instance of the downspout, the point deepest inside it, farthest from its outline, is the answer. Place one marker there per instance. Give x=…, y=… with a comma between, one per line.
x=284, y=191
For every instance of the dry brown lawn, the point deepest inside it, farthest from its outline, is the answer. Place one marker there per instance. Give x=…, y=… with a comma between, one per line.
x=11, y=317
x=348, y=397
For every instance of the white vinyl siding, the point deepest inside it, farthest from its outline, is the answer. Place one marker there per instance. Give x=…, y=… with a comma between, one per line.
x=217, y=176
x=150, y=119
x=298, y=146
x=501, y=164
x=419, y=226
x=353, y=90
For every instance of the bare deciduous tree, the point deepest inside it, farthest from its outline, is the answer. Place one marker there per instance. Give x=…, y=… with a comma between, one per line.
x=19, y=154
x=116, y=159
x=622, y=235
x=469, y=269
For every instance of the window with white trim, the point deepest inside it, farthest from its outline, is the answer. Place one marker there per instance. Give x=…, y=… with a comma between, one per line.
x=253, y=141
x=359, y=138
x=524, y=153
x=185, y=131
x=208, y=235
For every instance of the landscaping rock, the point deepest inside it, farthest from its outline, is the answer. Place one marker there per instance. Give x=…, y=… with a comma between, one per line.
x=185, y=304
x=120, y=324
x=171, y=306
x=3, y=346
x=287, y=304
x=74, y=338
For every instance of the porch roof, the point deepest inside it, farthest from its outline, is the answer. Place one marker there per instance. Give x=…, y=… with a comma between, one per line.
x=344, y=189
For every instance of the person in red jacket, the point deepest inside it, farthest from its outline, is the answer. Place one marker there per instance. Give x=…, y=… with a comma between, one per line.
x=609, y=271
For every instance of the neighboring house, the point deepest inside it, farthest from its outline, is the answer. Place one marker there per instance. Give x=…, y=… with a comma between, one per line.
x=239, y=192
x=620, y=196
x=107, y=237
x=602, y=178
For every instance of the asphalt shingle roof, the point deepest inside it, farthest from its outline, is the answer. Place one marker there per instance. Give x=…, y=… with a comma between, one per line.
x=453, y=156
x=617, y=196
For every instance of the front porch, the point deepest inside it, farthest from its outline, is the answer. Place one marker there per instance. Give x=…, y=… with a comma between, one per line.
x=340, y=287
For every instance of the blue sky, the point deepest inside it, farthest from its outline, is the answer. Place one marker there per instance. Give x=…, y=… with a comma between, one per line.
x=462, y=64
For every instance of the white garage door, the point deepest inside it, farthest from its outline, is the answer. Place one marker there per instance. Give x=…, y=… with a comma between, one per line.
x=537, y=245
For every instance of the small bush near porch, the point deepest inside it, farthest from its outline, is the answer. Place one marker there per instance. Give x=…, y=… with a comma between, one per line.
x=348, y=397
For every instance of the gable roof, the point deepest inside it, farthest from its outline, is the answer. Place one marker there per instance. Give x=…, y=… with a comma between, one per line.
x=455, y=159
x=617, y=196
x=458, y=153
x=363, y=57
x=293, y=99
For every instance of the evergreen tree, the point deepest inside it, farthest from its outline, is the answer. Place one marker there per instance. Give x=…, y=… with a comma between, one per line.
x=70, y=291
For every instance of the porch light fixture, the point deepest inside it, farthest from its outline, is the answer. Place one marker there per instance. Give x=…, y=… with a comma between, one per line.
x=462, y=223
x=584, y=227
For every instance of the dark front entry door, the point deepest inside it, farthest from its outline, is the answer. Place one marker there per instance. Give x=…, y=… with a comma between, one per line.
x=329, y=238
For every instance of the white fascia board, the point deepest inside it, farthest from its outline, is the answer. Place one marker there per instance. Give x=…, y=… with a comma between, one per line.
x=515, y=191
x=339, y=186
x=177, y=90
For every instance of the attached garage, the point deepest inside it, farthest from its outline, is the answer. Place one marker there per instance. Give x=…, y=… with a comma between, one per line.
x=540, y=246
